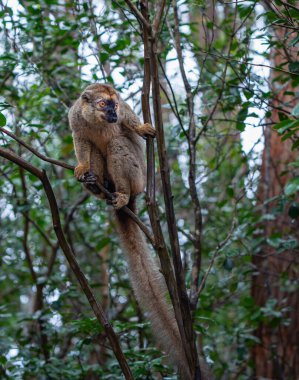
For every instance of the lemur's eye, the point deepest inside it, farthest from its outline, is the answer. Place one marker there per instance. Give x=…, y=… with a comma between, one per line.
x=102, y=103
x=116, y=106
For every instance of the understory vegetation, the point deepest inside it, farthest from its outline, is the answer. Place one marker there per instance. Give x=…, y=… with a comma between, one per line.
x=225, y=105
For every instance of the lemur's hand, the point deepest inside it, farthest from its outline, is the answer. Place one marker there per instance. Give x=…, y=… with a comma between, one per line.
x=80, y=171
x=146, y=130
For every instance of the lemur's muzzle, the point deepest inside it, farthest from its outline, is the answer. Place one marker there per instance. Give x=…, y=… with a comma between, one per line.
x=111, y=116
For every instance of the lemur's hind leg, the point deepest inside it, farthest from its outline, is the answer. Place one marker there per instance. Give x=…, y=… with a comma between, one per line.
x=96, y=173
x=125, y=171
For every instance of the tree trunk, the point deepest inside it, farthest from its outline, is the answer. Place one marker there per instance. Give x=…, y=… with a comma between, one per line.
x=276, y=271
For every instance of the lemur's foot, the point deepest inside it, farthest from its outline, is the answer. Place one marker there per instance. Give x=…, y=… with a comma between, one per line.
x=120, y=200
x=89, y=178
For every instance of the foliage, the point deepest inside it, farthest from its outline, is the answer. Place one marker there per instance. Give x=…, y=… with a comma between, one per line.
x=49, y=51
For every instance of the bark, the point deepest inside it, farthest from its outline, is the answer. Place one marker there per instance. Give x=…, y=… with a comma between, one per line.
x=277, y=354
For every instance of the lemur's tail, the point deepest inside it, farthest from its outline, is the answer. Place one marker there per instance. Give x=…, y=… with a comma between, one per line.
x=150, y=291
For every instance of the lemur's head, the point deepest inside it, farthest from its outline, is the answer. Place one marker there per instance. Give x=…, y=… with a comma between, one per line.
x=100, y=104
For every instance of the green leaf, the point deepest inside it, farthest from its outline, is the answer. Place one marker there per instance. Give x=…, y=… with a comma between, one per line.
x=285, y=125
x=2, y=120
x=241, y=126
x=104, y=56
x=294, y=210
x=295, y=110
x=230, y=192
x=3, y=360
x=292, y=186
x=103, y=243
x=294, y=41
x=295, y=145
x=288, y=135
x=294, y=67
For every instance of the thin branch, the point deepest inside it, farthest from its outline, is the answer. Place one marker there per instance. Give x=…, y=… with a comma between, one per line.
x=79, y=202
x=26, y=232
x=197, y=243
x=126, y=17
x=131, y=214
x=158, y=16
x=220, y=93
x=138, y=14
x=40, y=231
x=35, y=151
x=288, y=5
x=246, y=62
x=187, y=235
x=176, y=111
x=215, y=254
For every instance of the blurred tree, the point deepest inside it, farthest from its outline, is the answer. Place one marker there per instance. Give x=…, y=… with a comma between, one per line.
x=275, y=280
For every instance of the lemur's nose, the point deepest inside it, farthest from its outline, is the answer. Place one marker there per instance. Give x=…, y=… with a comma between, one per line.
x=111, y=117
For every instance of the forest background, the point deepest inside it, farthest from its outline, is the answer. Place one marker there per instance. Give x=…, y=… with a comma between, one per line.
x=223, y=76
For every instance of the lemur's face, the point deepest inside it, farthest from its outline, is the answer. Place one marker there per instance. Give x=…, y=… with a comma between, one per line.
x=108, y=108
x=101, y=102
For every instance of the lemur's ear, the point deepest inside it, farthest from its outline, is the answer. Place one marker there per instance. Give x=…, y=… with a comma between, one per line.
x=86, y=96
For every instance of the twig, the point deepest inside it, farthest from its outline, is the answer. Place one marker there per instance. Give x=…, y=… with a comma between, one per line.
x=247, y=62
x=138, y=14
x=158, y=16
x=41, y=232
x=220, y=246
x=26, y=231
x=176, y=113
x=79, y=202
x=288, y=5
x=35, y=151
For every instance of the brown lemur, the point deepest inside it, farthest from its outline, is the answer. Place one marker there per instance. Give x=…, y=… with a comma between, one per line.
x=108, y=143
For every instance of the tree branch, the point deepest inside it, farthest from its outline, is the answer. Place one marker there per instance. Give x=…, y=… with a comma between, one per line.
x=158, y=16
x=96, y=307
x=138, y=14
x=197, y=244
x=215, y=254
x=175, y=285
x=71, y=167
x=35, y=151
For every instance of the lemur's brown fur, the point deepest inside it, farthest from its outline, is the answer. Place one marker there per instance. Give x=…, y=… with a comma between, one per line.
x=113, y=151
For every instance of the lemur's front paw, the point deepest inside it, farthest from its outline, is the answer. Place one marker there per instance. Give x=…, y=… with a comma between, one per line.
x=120, y=200
x=80, y=171
x=146, y=129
